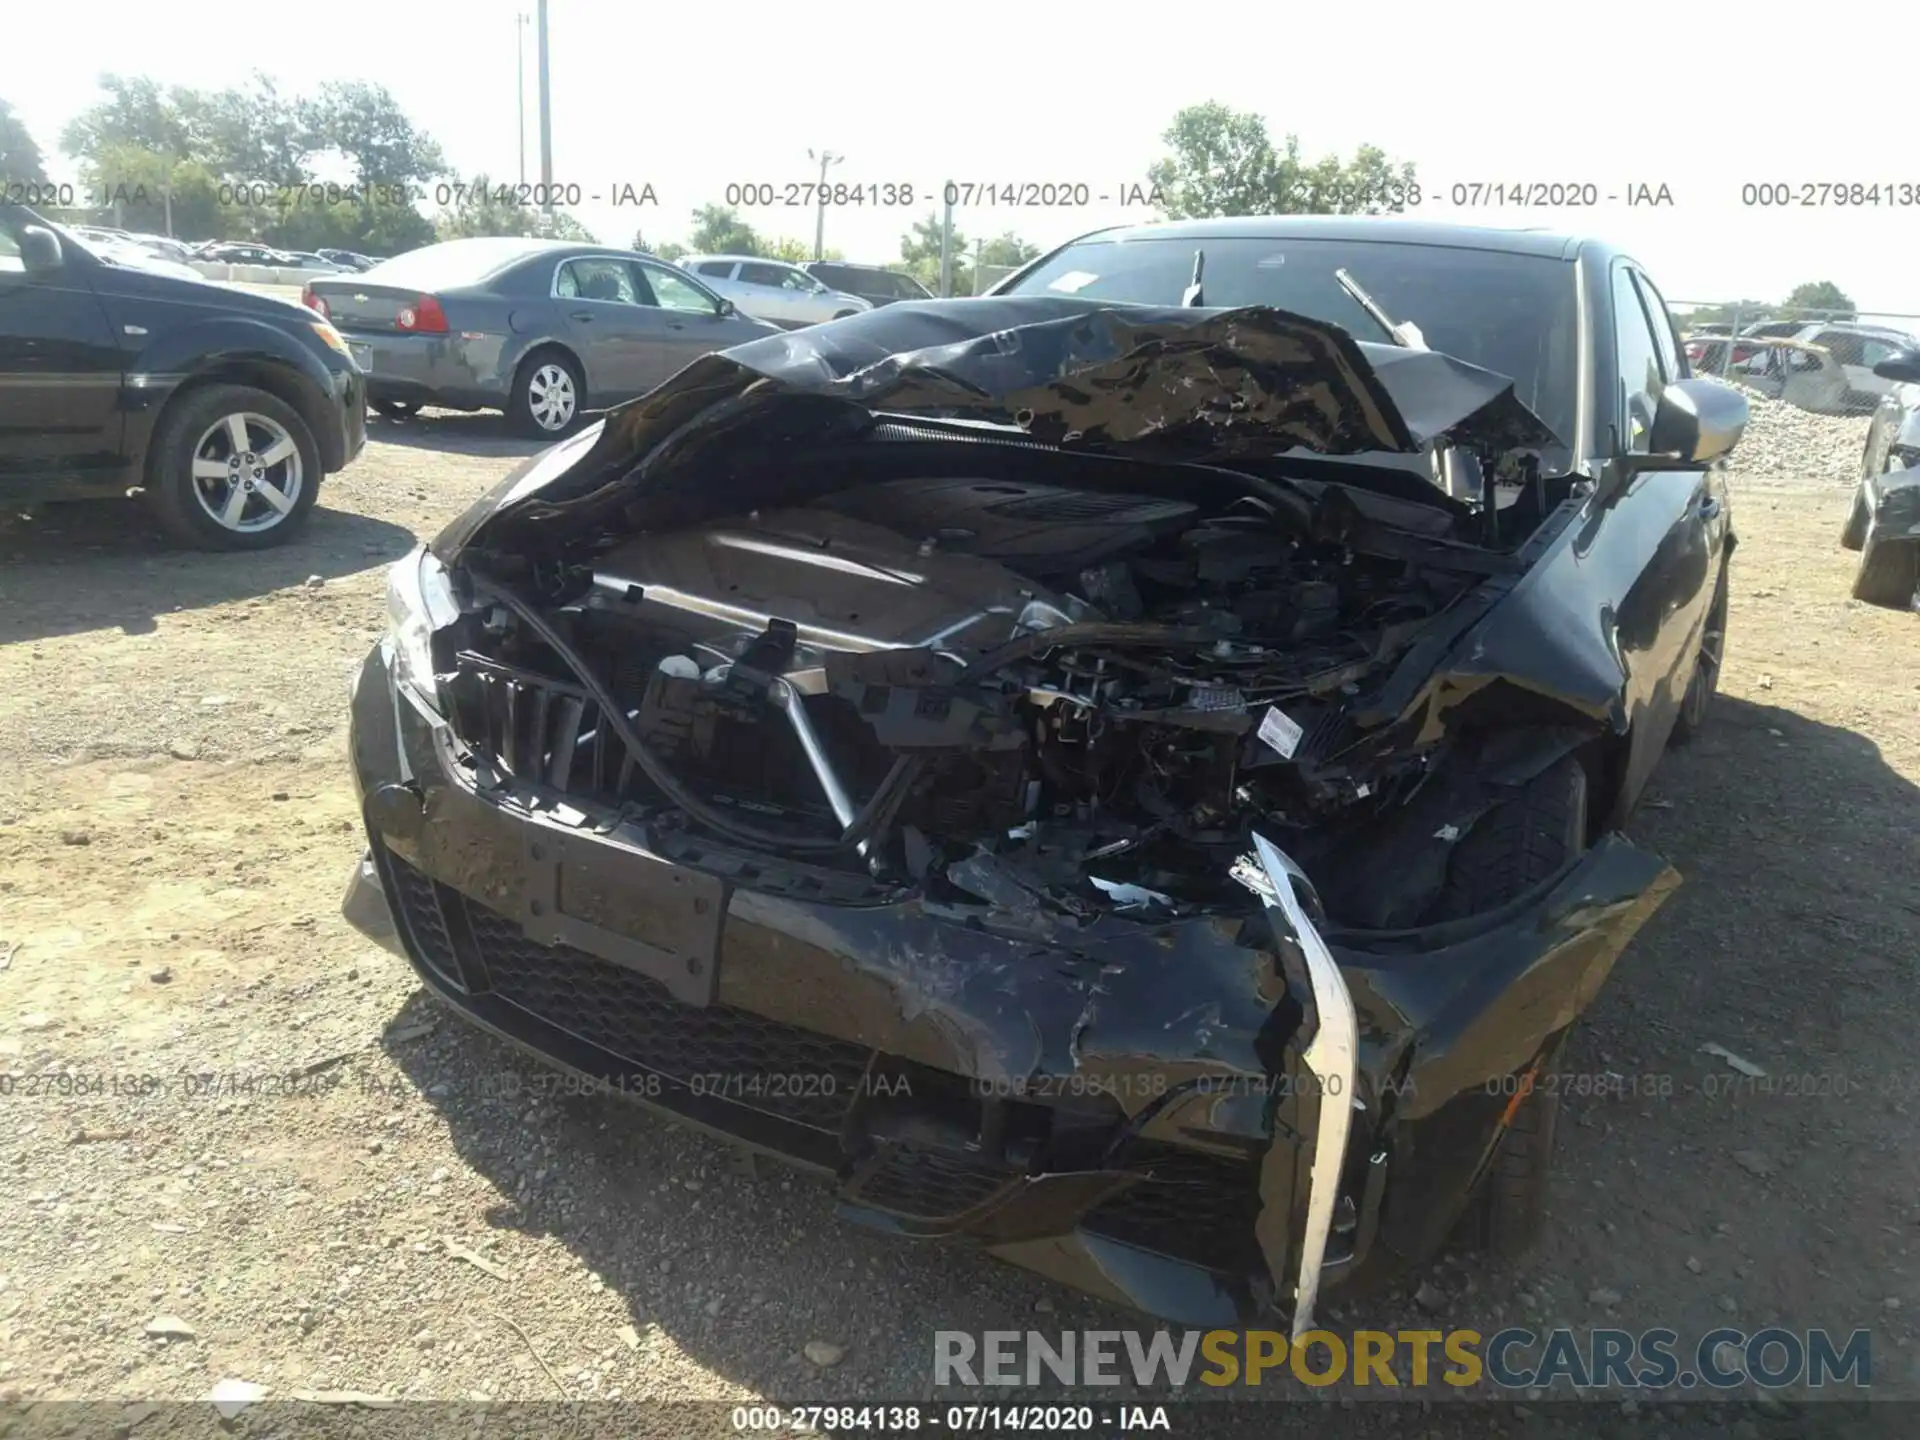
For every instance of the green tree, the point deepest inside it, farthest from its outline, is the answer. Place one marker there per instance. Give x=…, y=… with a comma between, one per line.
x=365, y=124
x=20, y=159
x=253, y=134
x=1225, y=163
x=720, y=231
x=1743, y=311
x=1006, y=250
x=142, y=189
x=134, y=113
x=920, y=256
x=795, y=252
x=668, y=250
x=1822, y=295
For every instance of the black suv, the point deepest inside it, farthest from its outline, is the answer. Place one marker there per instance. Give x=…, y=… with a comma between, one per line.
x=224, y=408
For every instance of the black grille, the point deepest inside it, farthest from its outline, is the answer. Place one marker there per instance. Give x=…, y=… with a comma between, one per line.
x=733, y=1054
x=538, y=730
x=417, y=900
x=1195, y=1208
x=929, y=1184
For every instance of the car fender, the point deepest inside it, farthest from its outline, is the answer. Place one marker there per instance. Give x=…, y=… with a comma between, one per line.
x=1588, y=627
x=237, y=347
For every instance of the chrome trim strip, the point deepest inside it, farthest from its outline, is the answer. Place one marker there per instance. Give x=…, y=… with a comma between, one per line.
x=1331, y=1058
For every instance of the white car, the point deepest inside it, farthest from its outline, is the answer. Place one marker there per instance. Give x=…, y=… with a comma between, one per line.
x=772, y=289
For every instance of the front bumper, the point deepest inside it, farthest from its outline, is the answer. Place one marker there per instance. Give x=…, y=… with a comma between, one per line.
x=921, y=1062
x=1892, y=501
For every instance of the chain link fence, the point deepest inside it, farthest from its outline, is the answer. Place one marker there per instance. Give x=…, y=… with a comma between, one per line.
x=1816, y=358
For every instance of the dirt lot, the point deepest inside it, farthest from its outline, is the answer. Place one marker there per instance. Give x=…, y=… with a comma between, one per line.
x=176, y=829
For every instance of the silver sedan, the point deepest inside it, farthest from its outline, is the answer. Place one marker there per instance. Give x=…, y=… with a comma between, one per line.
x=544, y=330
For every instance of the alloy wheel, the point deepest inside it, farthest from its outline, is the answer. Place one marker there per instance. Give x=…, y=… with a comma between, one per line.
x=551, y=397
x=247, y=473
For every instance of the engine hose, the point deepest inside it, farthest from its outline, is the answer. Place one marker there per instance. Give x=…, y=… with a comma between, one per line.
x=876, y=811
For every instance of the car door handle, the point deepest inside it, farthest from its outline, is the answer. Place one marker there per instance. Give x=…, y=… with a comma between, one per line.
x=585, y=317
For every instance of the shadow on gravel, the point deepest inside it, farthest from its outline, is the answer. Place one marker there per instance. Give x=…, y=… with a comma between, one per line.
x=1801, y=908
x=452, y=432
x=97, y=564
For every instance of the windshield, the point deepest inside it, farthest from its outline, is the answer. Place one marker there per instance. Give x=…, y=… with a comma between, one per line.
x=1509, y=313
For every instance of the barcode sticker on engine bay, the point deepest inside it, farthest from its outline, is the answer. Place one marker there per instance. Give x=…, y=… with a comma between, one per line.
x=1281, y=734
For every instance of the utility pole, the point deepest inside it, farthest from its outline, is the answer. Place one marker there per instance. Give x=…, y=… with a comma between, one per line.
x=520, y=85
x=546, y=118
x=826, y=158
x=946, y=247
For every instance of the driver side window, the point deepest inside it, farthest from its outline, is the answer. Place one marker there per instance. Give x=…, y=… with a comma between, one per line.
x=1637, y=354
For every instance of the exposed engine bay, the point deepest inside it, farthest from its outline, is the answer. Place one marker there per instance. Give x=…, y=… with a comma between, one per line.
x=1034, y=693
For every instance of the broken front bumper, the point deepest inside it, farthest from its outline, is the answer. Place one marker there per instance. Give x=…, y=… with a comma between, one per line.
x=1220, y=1101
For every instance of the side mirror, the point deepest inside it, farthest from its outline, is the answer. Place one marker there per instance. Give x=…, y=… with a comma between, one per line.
x=1902, y=365
x=1697, y=421
x=727, y=307
x=39, y=250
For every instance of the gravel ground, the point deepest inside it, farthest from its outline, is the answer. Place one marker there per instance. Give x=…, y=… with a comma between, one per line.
x=176, y=828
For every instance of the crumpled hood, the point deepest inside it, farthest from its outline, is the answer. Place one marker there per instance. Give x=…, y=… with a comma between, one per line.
x=1166, y=384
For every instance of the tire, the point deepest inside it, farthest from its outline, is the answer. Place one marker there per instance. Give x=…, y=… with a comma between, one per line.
x=846, y=314
x=200, y=431
x=1889, y=574
x=1704, y=683
x=396, y=409
x=1508, y=1211
x=1853, y=534
x=544, y=374
x=1518, y=843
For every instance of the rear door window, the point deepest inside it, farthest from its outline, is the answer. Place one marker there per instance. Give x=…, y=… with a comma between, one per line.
x=774, y=276
x=609, y=281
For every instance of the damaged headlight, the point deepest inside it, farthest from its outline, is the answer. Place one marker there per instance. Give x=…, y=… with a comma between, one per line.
x=419, y=601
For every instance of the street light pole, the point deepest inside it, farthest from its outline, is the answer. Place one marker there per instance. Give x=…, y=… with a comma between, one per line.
x=546, y=117
x=826, y=158
x=520, y=85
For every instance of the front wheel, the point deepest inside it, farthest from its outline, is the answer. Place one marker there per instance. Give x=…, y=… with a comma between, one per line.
x=1889, y=574
x=1509, y=1211
x=547, y=391
x=231, y=467
x=1853, y=534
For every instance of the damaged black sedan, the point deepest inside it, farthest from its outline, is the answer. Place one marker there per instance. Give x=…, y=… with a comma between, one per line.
x=1090, y=779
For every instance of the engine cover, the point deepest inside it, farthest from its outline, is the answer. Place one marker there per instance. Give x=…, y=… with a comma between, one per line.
x=845, y=584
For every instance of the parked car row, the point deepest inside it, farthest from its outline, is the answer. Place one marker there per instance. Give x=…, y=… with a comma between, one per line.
x=1825, y=367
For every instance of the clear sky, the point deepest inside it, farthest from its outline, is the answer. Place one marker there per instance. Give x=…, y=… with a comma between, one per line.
x=1701, y=98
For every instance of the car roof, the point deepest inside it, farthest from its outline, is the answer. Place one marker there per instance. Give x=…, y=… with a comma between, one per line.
x=753, y=259
x=1397, y=229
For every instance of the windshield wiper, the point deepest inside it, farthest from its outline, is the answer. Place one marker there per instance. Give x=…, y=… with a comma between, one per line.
x=1407, y=335
x=1194, y=291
